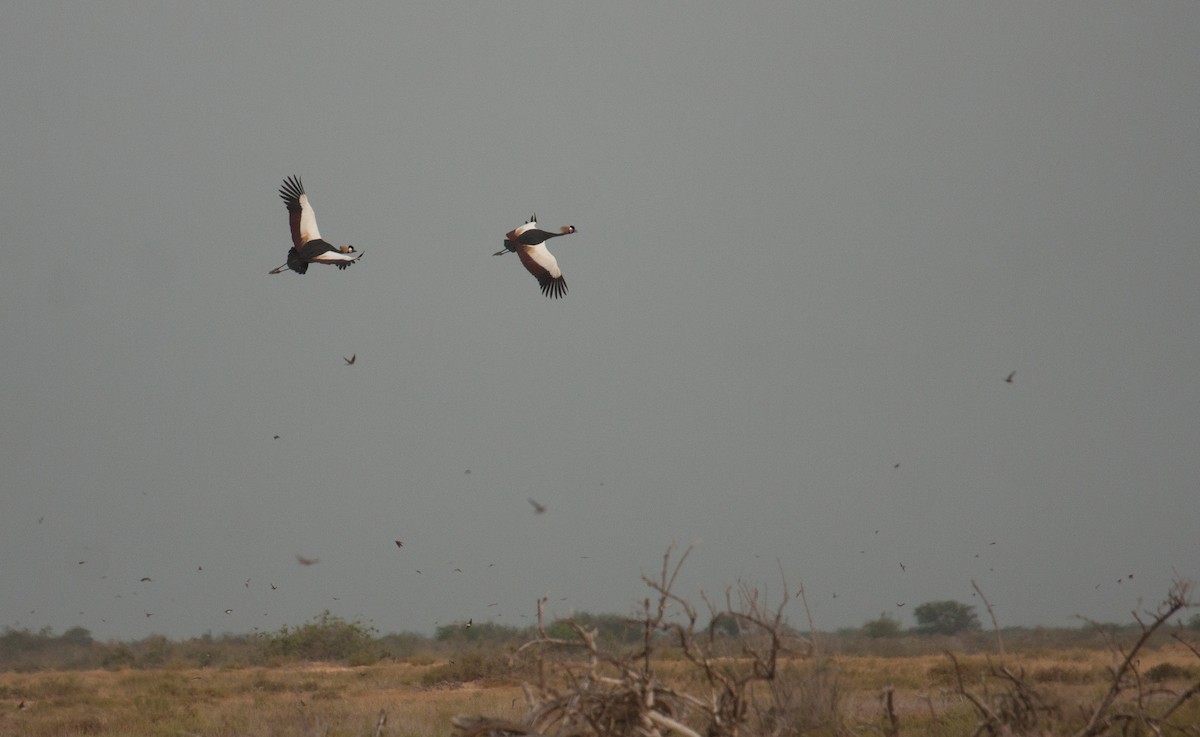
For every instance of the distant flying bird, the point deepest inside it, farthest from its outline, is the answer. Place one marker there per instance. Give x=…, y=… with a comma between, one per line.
x=469, y=623
x=538, y=508
x=529, y=243
x=146, y=578
x=307, y=246
x=276, y=437
x=399, y=544
x=307, y=561
x=350, y=361
x=1009, y=378
x=902, y=567
x=229, y=611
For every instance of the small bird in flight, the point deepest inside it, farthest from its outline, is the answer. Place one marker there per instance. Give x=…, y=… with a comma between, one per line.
x=1009, y=379
x=399, y=544
x=307, y=561
x=350, y=361
x=528, y=241
x=307, y=245
x=538, y=508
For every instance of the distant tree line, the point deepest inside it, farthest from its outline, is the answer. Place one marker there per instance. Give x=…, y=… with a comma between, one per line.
x=467, y=649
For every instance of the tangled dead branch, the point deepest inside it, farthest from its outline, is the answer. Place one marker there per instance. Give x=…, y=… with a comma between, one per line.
x=613, y=694
x=1129, y=706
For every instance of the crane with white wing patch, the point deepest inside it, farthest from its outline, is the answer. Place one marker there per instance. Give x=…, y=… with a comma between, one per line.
x=528, y=241
x=307, y=245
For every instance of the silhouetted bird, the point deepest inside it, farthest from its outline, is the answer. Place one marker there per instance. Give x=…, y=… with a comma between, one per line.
x=307, y=561
x=350, y=361
x=1009, y=378
x=538, y=508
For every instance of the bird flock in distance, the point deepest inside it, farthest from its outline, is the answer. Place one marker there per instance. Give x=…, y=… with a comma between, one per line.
x=528, y=241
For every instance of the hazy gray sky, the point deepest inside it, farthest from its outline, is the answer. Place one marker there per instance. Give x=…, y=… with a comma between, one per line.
x=813, y=240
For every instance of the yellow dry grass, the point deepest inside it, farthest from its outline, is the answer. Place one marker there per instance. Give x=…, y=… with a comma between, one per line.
x=339, y=701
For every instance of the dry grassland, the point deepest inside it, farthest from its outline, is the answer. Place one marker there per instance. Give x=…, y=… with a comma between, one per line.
x=339, y=701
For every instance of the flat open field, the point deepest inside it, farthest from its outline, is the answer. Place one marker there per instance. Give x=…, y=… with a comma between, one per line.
x=342, y=701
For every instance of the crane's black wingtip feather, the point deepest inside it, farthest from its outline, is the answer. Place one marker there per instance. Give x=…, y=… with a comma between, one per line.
x=554, y=288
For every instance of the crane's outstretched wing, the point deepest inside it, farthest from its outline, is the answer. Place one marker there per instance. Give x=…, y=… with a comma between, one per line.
x=541, y=263
x=301, y=216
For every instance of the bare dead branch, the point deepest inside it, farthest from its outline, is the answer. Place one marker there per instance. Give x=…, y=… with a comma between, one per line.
x=889, y=710
x=1178, y=597
x=995, y=625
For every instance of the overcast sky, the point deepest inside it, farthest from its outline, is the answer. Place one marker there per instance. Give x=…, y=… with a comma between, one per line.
x=813, y=240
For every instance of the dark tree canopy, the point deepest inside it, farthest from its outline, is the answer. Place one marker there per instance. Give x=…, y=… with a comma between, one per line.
x=945, y=618
x=885, y=626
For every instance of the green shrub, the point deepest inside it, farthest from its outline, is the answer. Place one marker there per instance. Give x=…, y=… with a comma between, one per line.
x=885, y=626
x=1168, y=672
x=327, y=638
